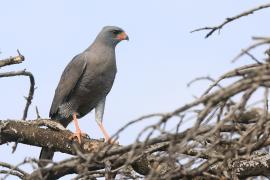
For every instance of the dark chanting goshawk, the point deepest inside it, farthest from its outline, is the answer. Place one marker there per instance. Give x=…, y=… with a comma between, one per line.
x=85, y=83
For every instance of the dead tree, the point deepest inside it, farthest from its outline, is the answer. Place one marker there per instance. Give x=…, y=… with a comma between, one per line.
x=228, y=138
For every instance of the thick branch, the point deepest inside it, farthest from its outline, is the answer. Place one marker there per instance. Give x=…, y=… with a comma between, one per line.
x=32, y=133
x=256, y=165
x=57, y=138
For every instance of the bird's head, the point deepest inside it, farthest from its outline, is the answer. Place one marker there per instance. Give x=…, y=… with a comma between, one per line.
x=112, y=35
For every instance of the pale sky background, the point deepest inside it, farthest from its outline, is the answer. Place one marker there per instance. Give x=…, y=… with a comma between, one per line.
x=153, y=67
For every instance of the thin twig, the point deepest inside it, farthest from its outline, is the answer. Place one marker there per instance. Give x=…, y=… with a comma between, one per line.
x=230, y=19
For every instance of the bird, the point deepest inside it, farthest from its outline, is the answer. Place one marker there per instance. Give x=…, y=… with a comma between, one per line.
x=85, y=83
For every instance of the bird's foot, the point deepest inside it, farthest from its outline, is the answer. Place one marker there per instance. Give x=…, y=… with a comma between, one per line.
x=107, y=138
x=78, y=135
x=111, y=141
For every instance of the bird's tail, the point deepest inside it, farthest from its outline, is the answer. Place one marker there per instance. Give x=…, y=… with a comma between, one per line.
x=47, y=153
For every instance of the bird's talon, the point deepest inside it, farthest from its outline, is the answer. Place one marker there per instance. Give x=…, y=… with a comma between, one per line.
x=78, y=136
x=85, y=135
x=113, y=142
x=102, y=139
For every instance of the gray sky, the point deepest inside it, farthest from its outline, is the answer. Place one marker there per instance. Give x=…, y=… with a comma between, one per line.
x=153, y=67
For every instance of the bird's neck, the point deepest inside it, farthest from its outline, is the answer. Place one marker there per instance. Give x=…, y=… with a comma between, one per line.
x=103, y=46
x=102, y=51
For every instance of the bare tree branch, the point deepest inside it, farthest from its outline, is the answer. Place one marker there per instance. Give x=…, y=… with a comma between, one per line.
x=13, y=170
x=12, y=60
x=230, y=19
x=31, y=89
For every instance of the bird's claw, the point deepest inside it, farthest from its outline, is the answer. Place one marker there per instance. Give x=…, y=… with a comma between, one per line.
x=112, y=141
x=78, y=136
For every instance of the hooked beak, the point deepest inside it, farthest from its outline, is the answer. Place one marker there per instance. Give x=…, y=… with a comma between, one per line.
x=122, y=36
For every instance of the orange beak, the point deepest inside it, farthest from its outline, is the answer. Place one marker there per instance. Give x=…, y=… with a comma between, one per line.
x=122, y=36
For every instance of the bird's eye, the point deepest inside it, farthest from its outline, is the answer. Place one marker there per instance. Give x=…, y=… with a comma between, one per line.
x=115, y=32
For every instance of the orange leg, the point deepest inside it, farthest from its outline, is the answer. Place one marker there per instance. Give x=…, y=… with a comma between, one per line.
x=78, y=134
x=105, y=133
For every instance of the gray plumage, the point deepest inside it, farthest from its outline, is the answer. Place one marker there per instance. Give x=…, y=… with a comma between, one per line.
x=86, y=81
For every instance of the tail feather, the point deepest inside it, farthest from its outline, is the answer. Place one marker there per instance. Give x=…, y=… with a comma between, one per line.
x=45, y=154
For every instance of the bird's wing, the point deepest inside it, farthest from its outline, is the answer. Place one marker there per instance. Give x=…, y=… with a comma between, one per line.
x=70, y=77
